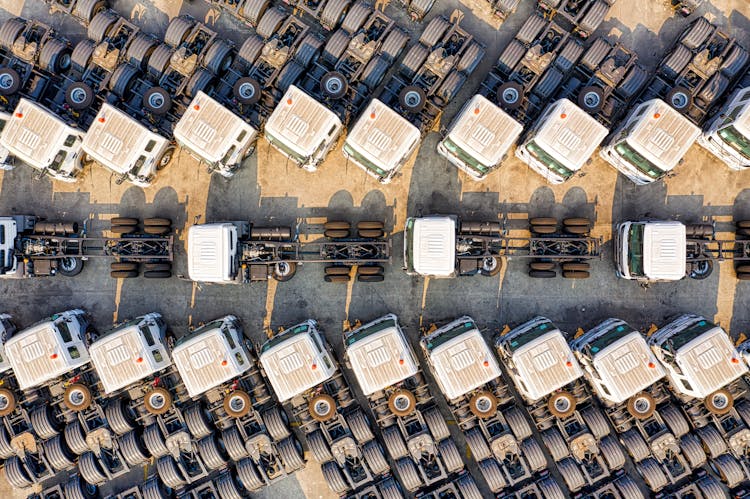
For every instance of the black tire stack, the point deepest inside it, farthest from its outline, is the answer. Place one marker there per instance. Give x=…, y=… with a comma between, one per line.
x=124, y=226
x=742, y=232
x=545, y=268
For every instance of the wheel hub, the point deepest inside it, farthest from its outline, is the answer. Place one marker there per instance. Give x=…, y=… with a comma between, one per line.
x=237, y=403
x=401, y=402
x=489, y=263
x=76, y=397
x=6, y=81
x=156, y=101
x=4, y=402
x=483, y=404
x=78, y=95
x=282, y=268
x=64, y=62
x=247, y=91
x=720, y=401
x=68, y=264
x=157, y=400
x=562, y=404
x=510, y=95
x=412, y=98
x=591, y=99
x=642, y=405
x=680, y=100
x=322, y=407
x=334, y=85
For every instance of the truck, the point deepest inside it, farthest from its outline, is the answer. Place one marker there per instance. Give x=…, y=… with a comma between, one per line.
x=413, y=429
x=306, y=379
x=581, y=17
x=667, y=250
x=32, y=247
x=548, y=378
x=597, y=94
x=431, y=74
x=689, y=83
x=496, y=430
x=443, y=246
x=725, y=135
x=228, y=395
x=241, y=252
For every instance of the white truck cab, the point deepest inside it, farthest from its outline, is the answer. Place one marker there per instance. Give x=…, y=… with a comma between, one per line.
x=212, y=252
x=430, y=246
x=43, y=141
x=381, y=141
x=379, y=354
x=11, y=267
x=296, y=360
x=130, y=352
x=727, y=135
x=214, y=135
x=479, y=138
x=650, y=142
x=618, y=364
x=302, y=129
x=561, y=142
x=651, y=250
x=700, y=360
x=123, y=145
x=460, y=357
x=211, y=355
x=7, y=329
x=48, y=349
x=538, y=358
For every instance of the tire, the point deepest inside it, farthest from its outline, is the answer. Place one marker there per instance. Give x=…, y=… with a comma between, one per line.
x=335, y=47
x=468, y=488
x=555, y=443
x=358, y=14
x=76, y=488
x=612, y=453
x=275, y=421
x=157, y=101
x=674, y=420
x=517, y=423
x=6, y=450
x=284, y=271
x=550, y=489
x=652, y=474
x=289, y=76
x=234, y=443
x=591, y=99
x=470, y=59
x=77, y=397
x=212, y=452
x=123, y=274
x=576, y=275
x=123, y=229
x=436, y=424
x=319, y=447
x=100, y=25
x=253, y=10
x=157, y=222
x=7, y=402
x=534, y=454
x=394, y=442
x=157, y=267
x=697, y=33
x=178, y=30
x=167, y=469
x=408, y=473
x=121, y=81
x=336, y=234
x=483, y=404
x=596, y=422
x=322, y=407
x=542, y=274
x=561, y=404
x=359, y=426
x=15, y=473
x=675, y=62
x=680, y=99
x=247, y=90
x=450, y=87
x=81, y=56
x=333, y=13
x=248, y=475
x=543, y=229
x=713, y=444
x=492, y=474
x=154, y=441
x=641, y=405
x=478, y=446
x=334, y=85
x=10, y=31
x=337, y=278
x=510, y=95
x=413, y=60
x=635, y=445
x=10, y=81
x=219, y=57
x=334, y=478
x=119, y=266
x=139, y=51
x=59, y=454
x=90, y=469
x=165, y=159
x=270, y=23
x=542, y=266
x=75, y=437
x=198, y=421
x=228, y=488
x=55, y=56
x=729, y=470
x=157, y=274
x=45, y=422
x=337, y=270
x=571, y=474
x=451, y=457
x=393, y=46
x=374, y=458
x=577, y=221
x=576, y=266
x=291, y=454
x=159, y=60
x=157, y=401
x=237, y=404
x=434, y=31
x=133, y=449
x=79, y=96
x=250, y=50
x=308, y=50
x=719, y=402
x=510, y=57
x=370, y=270
x=692, y=449
x=402, y=402
x=412, y=99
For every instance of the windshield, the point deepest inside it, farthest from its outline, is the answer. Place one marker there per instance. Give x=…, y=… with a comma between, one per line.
x=463, y=156
x=286, y=150
x=198, y=332
x=735, y=140
x=276, y=340
x=408, y=241
x=356, y=335
x=642, y=164
x=548, y=161
x=635, y=249
x=530, y=335
x=364, y=161
x=688, y=334
x=446, y=336
x=609, y=337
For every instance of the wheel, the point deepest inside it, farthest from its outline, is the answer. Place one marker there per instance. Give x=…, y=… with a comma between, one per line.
x=248, y=475
x=169, y=473
x=291, y=454
x=121, y=82
x=402, y=402
x=140, y=50
x=76, y=488
x=45, y=423
x=123, y=274
x=253, y=10
x=10, y=81
x=652, y=474
x=337, y=270
x=79, y=96
x=178, y=30
x=7, y=402
x=510, y=95
x=275, y=421
x=542, y=266
x=118, y=266
x=157, y=101
x=713, y=444
x=284, y=271
x=612, y=453
x=359, y=426
x=451, y=458
x=90, y=469
x=334, y=85
x=322, y=407
x=576, y=266
x=555, y=443
x=408, y=472
x=159, y=60
x=356, y=17
x=237, y=404
x=534, y=454
x=334, y=478
x=576, y=221
x=75, y=437
x=641, y=405
x=635, y=445
x=394, y=442
x=228, y=488
x=212, y=452
x=59, y=454
x=719, y=402
x=77, y=397
x=157, y=401
x=157, y=274
x=483, y=404
x=270, y=23
x=154, y=441
x=492, y=474
x=319, y=447
x=393, y=46
x=337, y=225
x=543, y=229
x=550, y=489
x=198, y=421
x=726, y=466
x=680, y=99
x=55, y=56
x=123, y=229
x=289, y=76
x=698, y=32
x=6, y=450
x=100, y=25
x=470, y=59
x=571, y=474
x=336, y=234
x=596, y=422
x=336, y=278
x=133, y=449
x=374, y=458
x=10, y=30
x=710, y=487
x=247, y=90
x=436, y=424
x=333, y=13
x=413, y=60
x=15, y=473
x=561, y=404
x=675, y=421
x=370, y=270
x=434, y=31
x=517, y=423
x=157, y=267
x=542, y=274
x=692, y=449
x=478, y=445
x=591, y=99
x=491, y=266
x=234, y=443
x=412, y=99
x=469, y=490
x=165, y=159
x=218, y=58
x=335, y=47
x=576, y=274
x=81, y=56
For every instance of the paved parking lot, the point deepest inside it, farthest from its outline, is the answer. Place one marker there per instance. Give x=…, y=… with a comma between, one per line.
x=271, y=190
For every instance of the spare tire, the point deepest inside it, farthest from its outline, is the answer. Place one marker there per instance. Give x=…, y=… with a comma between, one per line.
x=591, y=99
x=246, y=90
x=157, y=100
x=680, y=99
x=79, y=96
x=334, y=85
x=10, y=81
x=510, y=95
x=412, y=98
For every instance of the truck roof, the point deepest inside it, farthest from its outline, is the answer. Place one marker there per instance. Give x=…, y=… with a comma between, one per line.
x=4, y=335
x=205, y=359
x=485, y=131
x=116, y=140
x=664, y=250
x=379, y=354
x=461, y=358
x=123, y=356
x=209, y=129
x=570, y=134
x=294, y=362
x=662, y=134
x=541, y=356
x=382, y=136
x=301, y=121
x=38, y=354
x=434, y=245
x=209, y=252
x=35, y=135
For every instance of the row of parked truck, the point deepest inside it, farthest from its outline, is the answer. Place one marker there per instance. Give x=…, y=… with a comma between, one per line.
x=588, y=413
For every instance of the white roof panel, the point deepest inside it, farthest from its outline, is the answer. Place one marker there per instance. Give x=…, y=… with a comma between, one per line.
x=664, y=250
x=434, y=245
x=209, y=252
